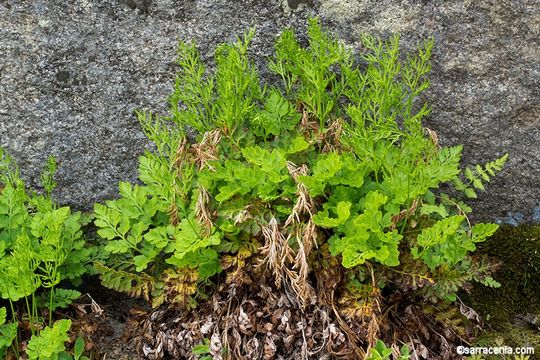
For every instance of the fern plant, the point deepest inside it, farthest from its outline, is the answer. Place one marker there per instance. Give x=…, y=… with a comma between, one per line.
x=8, y=333
x=41, y=245
x=337, y=159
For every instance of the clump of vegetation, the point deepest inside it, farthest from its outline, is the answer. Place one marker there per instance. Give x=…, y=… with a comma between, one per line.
x=318, y=197
x=326, y=189
x=41, y=246
x=299, y=220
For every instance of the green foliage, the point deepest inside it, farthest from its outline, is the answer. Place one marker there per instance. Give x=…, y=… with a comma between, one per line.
x=381, y=352
x=202, y=351
x=41, y=245
x=363, y=238
x=277, y=117
x=340, y=146
x=78, y=348
x=8, y=332
x=447, y=243
x=476, y=177
x=133, y=284
x=46, y=241
x=226, y=99
x=307, y=73
x=9, y=172
x=78, y=351
x=50, y=341
x=58, y=298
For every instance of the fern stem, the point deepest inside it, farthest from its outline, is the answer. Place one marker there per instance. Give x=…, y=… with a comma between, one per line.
x=35, y=314
x=30, y=312
x=409, y=204
x=16, y=321
x=50, y=305
x=13, y=311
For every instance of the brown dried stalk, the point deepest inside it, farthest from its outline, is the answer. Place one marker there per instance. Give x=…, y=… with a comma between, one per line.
x=207, y=149
x=305, y=234
x=276, y=250
x=331, y=137
x=433, y=137
x=404, y=214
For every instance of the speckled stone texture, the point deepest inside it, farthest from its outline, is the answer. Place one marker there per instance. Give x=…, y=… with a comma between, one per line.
x=73, y=72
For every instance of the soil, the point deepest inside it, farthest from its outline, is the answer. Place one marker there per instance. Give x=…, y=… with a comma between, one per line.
x=109, y=332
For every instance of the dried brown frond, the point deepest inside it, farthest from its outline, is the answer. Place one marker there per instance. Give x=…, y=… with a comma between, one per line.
x=305, y=235
x=374, y=326
x=308, y=124
x=411, y=275
x=202, y=212
x=295, y=170
x=304, y=203
x=328, y=272
x=179, y=156
x=433, y=137
x=280, y=259
x=243, y=215
x=142, y=289
x=362, y=302
x=179, y=285
x=352, y=337
x=238, y=268
x=461, y=322
x=206, y=150
x=276, y=249
x=135, y=285
x=471, y=315
x=309, y=236
x=377, y=316
x=172, y=211
x=296, y=269
x=91, y=308
x=299, y=278
x=330, y=138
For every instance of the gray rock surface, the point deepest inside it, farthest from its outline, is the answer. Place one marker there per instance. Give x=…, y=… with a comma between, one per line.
x=72, y=73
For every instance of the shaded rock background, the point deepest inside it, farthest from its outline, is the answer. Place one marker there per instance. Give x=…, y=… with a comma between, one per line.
x=72, y=73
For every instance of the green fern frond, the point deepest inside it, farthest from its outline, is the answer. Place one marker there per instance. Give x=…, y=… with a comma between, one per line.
x=122, y=281
x=50, y=341
x=61, y=298
x=477, y=176
x=9, y=171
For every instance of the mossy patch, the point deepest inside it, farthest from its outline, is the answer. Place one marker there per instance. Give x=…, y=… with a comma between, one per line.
x=511, y=311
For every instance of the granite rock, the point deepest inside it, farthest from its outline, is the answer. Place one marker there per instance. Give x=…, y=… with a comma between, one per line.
x=72, y=74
